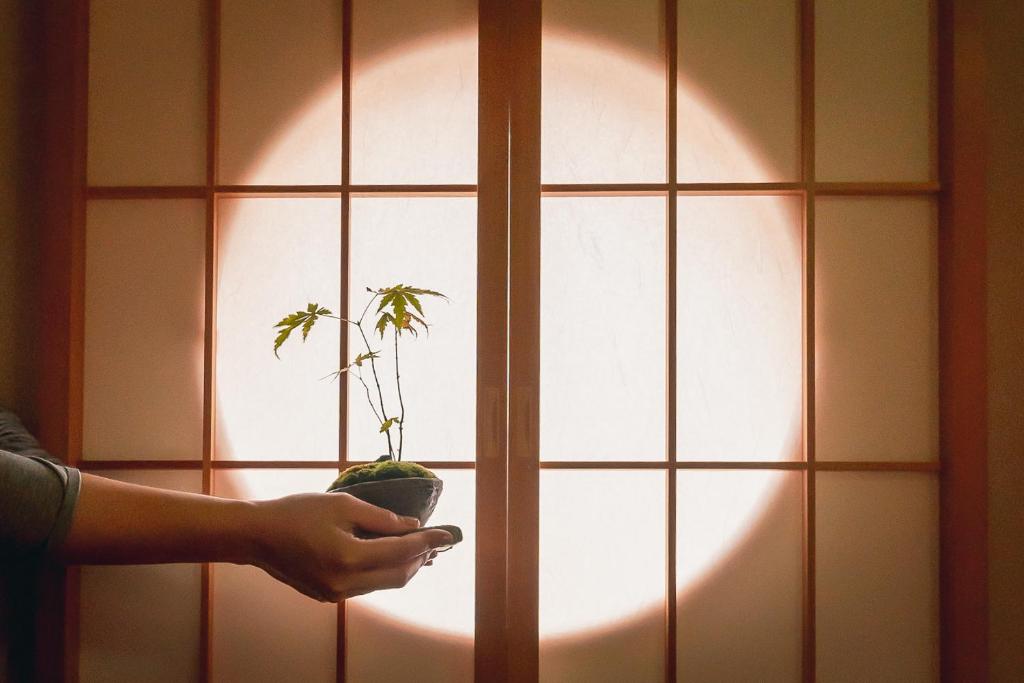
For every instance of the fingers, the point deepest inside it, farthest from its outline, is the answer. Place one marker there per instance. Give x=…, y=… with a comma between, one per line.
x=315, y=590
x=384, y=578
x=372, y=518
x=352, y=582
x=391, y=550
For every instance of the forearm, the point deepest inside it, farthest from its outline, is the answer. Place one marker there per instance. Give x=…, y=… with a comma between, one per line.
x=119, y=523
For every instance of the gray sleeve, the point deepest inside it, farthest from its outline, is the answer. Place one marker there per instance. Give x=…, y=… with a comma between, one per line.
x=37, y=494
x=37, y=501
x=16, y=439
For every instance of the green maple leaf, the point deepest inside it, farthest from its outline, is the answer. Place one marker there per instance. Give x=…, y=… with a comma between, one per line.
x=389, y=296
x=363, y=357
x=398, y=306
x=382, y=323
x=289, y=323
x=424, y=292
x=400, y=299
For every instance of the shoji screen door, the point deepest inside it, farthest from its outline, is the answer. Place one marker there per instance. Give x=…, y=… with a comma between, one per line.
x=246, y=158
x=720, y=260
x=735, y=341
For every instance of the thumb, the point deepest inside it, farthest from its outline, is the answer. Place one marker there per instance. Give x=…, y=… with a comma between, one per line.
x=376, y=519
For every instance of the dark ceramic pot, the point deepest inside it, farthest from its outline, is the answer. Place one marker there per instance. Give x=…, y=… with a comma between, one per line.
x=409, y=497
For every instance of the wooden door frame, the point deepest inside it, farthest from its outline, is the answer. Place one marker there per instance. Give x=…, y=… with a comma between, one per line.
x=963, y=364
x=962, y=327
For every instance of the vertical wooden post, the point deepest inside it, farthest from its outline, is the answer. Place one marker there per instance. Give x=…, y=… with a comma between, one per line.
x=524, y=340
x=341, y=640
x=210, y=317
x=808, y=178
x=62, y=227
x=963, y=433
x=490, y=658
x=671, y=31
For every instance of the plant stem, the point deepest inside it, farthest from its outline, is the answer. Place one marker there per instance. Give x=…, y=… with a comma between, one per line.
x=376, y=379
x=359, y=373
x=359, y=376
x=401, y=403
x=338, y=317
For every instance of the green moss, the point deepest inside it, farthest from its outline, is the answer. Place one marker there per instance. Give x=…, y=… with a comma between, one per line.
x=378, y=471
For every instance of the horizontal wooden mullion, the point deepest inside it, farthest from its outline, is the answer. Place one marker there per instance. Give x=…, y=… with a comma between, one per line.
x=200, y=191
x=328, y=464
x=145, y=192
x=647, y=189
x=403, y=190
x=413, y=190
x=99, y=465
x=740, y=189
x=353, y=190
x=667, y=465
x=826, y=466
x=604, y=189
x=278, y=191
x=275, y=464
x=877, y=189
x=877, y=466
x=604, y=465
x=883, y=189
x=795, y=465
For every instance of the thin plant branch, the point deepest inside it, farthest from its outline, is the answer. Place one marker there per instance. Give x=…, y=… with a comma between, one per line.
x=359, y=376
x=338, y=317
x=401, y=402
x=380, y=392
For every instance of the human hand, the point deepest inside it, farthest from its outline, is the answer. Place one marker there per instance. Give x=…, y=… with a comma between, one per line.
x=310, y=541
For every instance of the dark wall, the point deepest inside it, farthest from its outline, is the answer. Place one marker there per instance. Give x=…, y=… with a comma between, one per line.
x=19, y=263
x=18, y=244
x=1005, y=206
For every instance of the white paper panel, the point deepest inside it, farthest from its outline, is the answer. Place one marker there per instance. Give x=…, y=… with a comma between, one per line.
x=275, y=256
x=144, y=329
x=738, y=116
x=876, y=320
x=263, y=630
x=603, y=92
x=141, y=622
x=428, y=625
x=147, y=92
x=739, y=348
x=877, y=577
x=739, y=575
x=280, y=92
x=428, y=243
x=602, y=575
x=602, y=328
x=872, y=90
x=414, y=91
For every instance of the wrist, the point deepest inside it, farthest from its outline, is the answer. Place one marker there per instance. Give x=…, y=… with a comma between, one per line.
x=241, y=535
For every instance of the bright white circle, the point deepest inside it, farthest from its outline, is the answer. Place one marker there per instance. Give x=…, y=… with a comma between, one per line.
x=435, y=606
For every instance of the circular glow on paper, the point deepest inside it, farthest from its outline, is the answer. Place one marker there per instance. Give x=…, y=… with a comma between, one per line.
x=764, y=414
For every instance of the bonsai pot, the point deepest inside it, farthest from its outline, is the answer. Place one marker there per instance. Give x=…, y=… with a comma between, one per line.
x=407, y=496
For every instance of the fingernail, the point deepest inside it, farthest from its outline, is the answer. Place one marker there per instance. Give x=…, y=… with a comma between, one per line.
x=449, y=540
x=411, y=521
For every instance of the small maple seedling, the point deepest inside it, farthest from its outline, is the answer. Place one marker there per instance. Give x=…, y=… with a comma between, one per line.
x=399, y=310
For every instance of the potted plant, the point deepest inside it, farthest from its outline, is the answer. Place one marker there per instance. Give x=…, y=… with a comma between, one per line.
x=406, y=488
